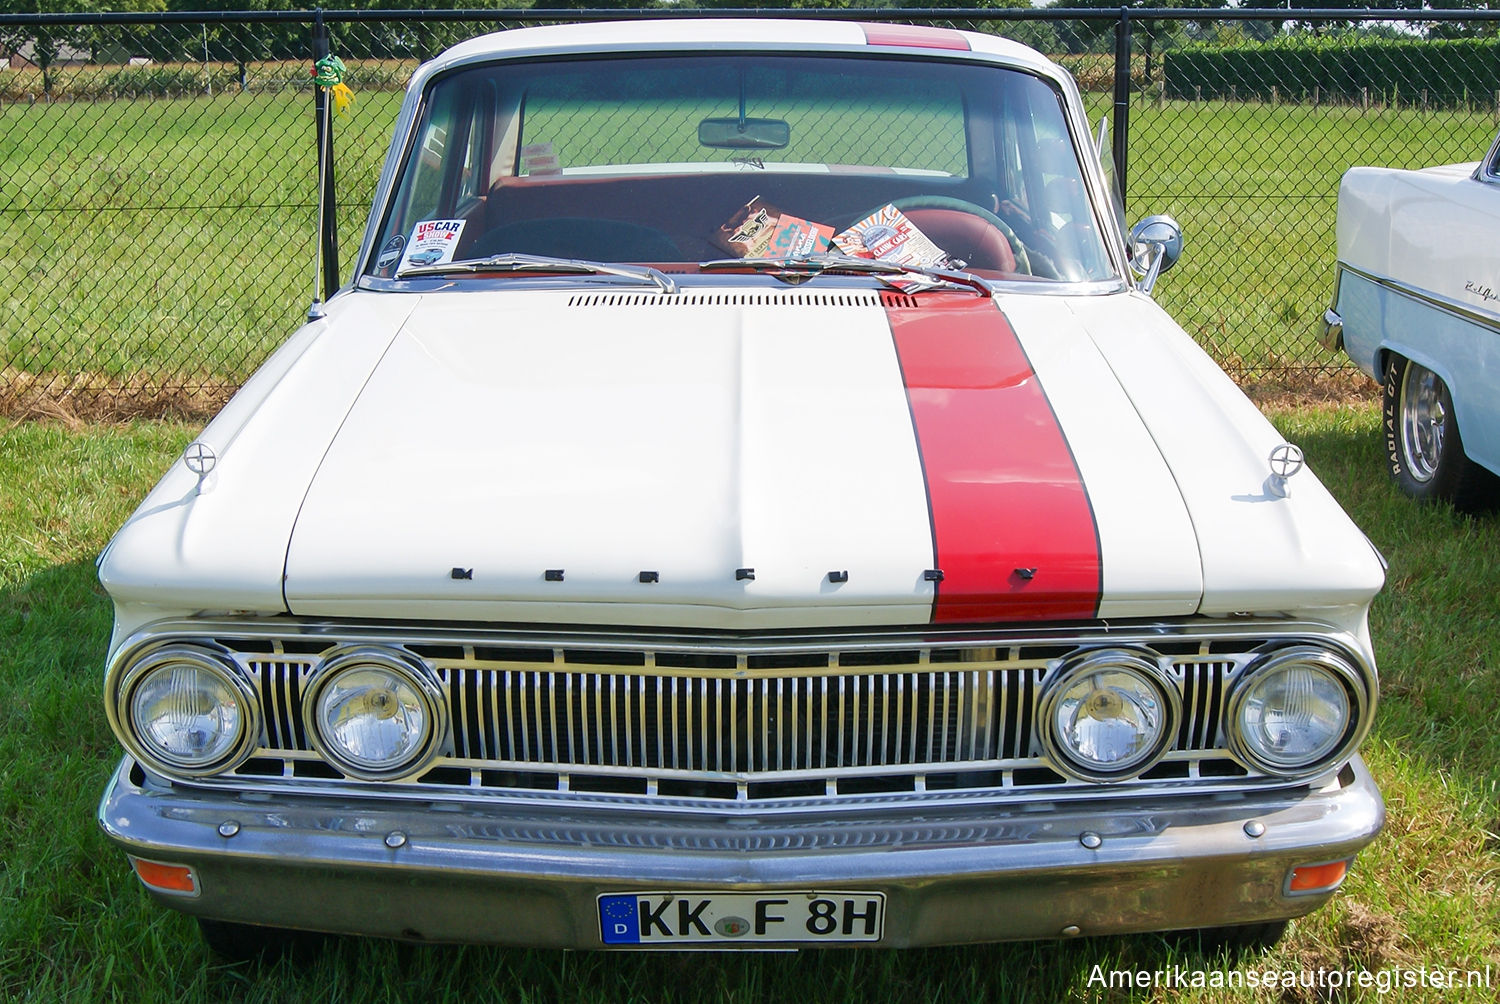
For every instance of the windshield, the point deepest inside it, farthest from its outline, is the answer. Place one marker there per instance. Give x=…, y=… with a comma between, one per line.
x=677, y=160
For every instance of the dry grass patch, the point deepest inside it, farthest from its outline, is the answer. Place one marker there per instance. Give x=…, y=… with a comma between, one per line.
x=75, y=399
x=80, y=398
x=1291, y=388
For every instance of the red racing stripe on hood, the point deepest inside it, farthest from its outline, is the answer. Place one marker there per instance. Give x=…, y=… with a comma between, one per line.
x=1012, y=526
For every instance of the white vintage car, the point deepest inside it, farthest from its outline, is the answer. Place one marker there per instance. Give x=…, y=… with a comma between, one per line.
x=1416, y=305
x=744, y=498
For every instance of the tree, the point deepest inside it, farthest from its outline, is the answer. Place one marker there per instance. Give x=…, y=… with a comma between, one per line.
x=239, y=43
x=1151, y=32
x=47, y=42
x=1432, y=29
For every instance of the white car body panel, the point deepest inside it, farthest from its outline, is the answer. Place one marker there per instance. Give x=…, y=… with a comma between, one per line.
x=221, y=546
x=1150, y=550
x=757, y=33
x=628, y=444
x=1431, y=230
x=1259, y=552
x=690, y=441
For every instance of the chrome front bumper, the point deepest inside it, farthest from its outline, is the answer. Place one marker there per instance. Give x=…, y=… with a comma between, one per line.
x=952, y=871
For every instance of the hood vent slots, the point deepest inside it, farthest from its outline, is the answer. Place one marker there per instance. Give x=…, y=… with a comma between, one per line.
x=733, y=300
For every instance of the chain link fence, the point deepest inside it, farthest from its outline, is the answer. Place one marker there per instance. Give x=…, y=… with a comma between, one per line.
x=158, y=175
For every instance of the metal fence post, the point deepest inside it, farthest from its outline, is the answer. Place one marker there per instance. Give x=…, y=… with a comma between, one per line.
x=1121, y=124
x=328, y=236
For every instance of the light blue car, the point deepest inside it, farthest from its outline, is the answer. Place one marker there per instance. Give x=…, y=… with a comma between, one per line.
x=1417, y=306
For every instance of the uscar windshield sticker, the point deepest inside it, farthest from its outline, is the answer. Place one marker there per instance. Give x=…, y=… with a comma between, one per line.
x=433, y=242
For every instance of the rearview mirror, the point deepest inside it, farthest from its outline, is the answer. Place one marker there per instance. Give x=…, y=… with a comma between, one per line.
x=744, y=134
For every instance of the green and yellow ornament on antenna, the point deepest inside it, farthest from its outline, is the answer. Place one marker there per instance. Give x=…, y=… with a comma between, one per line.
x=328, y=73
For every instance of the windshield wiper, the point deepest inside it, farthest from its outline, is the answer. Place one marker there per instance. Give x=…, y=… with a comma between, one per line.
x=512, y=262
x=838, y=264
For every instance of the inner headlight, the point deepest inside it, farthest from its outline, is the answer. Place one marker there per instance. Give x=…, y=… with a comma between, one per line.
x=186, y=710
x=1109, y=715
x=374, y=713
x=1295, y=711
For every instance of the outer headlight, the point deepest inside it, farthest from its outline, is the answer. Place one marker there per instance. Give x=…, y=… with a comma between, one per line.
x=375, y=713
x=1296, y=711
x=186, y=710
x=1109, y=715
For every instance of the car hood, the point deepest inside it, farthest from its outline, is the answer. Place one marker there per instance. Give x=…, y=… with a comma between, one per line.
x=740, y=460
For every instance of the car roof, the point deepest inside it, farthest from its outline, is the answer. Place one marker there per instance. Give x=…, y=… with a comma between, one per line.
x=789, y=34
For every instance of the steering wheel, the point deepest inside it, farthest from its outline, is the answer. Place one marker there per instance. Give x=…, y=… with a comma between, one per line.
x=1023, y=259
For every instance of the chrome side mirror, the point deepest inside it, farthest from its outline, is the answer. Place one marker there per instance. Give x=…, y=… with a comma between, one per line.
x=1155, y=246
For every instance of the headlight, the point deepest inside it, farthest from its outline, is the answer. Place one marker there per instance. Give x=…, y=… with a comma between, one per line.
x=374, y=713
x=1109, y=715
x=1296, y=711
x=186, y=710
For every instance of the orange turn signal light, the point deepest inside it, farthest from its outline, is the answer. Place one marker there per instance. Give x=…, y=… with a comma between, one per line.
x=180, y=880
x=1315, y=878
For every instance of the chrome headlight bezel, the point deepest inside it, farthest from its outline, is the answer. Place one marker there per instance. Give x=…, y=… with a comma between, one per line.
x=1358, y=690
x=1138, y=664
x=410, y=671
x=127, y=684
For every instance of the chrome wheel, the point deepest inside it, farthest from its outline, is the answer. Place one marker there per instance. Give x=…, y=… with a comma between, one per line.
x=1424, y=416
x=1424, y=446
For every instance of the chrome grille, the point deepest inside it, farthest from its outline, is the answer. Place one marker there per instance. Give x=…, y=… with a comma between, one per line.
x=745, y=726
x=780, y=719
x=1203, y=692
x=279, y=685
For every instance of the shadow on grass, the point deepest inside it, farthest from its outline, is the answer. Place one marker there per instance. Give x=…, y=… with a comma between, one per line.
x=1016, y=972
x=57, y=881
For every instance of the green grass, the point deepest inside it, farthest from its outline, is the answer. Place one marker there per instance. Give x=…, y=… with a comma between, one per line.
x=173, y=238
x=1255, y=188
x=143, y=238
x=76, y=926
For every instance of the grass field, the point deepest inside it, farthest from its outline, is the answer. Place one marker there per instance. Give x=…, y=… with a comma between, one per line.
x=75, y=925
x=1255, y=188
x=173, y=238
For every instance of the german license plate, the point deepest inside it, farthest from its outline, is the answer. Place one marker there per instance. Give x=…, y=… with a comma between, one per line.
x=676, y=919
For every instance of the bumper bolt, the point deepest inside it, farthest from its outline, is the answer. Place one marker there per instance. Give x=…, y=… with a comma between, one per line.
x=1091, y=840
x=228, y=828
x=395, y=839
x=1071, y=931
x=1255, y=828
